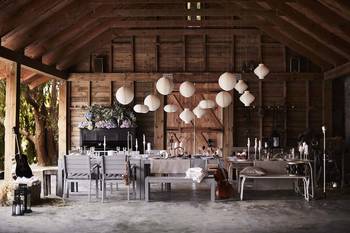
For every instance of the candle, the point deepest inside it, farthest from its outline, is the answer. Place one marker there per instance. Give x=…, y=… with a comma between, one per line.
x=104, y=140
x=255, y=143
x=144, y=139
x=148, y=146
x=248, y=144
x=259, y=145
x=136, y=144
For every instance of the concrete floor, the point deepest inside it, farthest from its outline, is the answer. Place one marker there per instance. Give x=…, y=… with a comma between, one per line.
x=184, y=210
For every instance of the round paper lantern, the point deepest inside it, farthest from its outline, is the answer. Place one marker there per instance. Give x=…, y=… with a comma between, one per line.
x=261, y=71
x=227, y=81
x=164, y=86
x=199, y=112
x=124, y=95
x=241, y=86
x=187, y=89
x=152, y=102
x=247, y=98
x=187, y=116
x=170, y=108
x=206, y=104
x=223, y=99
x=141, y=108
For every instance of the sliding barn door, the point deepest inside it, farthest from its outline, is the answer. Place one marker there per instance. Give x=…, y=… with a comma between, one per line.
x=198, y=132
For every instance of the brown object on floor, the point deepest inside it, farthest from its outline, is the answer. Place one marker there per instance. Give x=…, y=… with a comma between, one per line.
x=224, y=189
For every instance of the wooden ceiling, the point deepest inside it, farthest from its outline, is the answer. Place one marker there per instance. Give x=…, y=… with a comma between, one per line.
x=59, y=33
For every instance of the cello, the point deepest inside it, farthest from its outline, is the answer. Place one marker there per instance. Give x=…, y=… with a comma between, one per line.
x=224, y=189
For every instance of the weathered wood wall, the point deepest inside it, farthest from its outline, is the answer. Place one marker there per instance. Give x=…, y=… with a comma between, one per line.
x=298, y=102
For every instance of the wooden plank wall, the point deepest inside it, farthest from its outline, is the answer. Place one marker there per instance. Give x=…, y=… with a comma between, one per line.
x=299, y=102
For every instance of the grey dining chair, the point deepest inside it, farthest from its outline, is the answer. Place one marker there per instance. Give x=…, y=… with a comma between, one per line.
x=77, y=168
x=114, y=170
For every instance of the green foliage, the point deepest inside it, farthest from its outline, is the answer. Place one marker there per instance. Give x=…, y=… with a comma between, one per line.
x=43, y=97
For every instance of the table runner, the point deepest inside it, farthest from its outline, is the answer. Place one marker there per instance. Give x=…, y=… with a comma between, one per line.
x=170, y=166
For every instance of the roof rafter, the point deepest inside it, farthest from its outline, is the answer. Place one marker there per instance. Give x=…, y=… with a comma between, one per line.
x=32, y=64
x=36, y=12
x=300, y=37
x=37, y=49
x=330, y=40
x=56, y=22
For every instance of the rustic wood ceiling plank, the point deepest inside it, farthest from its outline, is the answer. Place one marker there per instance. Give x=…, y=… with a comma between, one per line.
x=97, y=42
x=324, y=16
x=330, y=40
x=340, y=7
x=59, y=53
x=9, y=7
x=58, y=39
x=55, y=23
x=299, y=36
x=38, y=81
x=33, y=13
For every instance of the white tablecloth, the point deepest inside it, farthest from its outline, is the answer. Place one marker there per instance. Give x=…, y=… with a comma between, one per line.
x=170, y=166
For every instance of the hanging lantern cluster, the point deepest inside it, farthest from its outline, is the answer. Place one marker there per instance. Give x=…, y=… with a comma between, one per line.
x=165, y=85
x=141, y=108
x=227, y=82
x=187, y=115
x=187, y=89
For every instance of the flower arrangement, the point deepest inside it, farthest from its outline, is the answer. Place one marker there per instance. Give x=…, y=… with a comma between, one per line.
x=103, y=117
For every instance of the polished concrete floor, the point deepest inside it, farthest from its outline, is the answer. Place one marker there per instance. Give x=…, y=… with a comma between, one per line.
x=185, y=210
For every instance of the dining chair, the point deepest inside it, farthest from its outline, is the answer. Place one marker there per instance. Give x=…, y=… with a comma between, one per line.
x=114, y=169
x=77, y=168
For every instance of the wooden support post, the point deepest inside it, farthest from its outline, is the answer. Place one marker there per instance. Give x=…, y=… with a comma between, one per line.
x=133, y=53
x=159, y=129
x=228, y=129
x=63, y=132
x=285, y=120
x=13, y=80
x=205, y=55
x=156, y=50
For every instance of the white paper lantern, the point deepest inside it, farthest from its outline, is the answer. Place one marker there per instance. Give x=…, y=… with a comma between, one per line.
x=164, y=86
x=170, y=108
x=223, y=99
x=187, y=89
x=124, y=95
x=199, y=112
x=247, y=98
x=241, y=86
x=227, y=81
x=152, y=102
x=206, y=104
x=187, y=116
x=261, y=71
x=141, y=108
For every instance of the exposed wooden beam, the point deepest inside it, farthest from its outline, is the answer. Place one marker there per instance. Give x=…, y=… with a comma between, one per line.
x=301, y=37
x=56, y=22
x=8, y=8
x=299, y=20
x=34, y=12
x=70, y=47
x=338, y=72
x=284, y=39
x=32, y=64
x=340, y=7
x=74, y=58
x=197, y=77
x=166, y=12
x=39, y=81
x=324, y=16
x=30, y=78
x=181, y=23
x=85, y=23
x=188, y=31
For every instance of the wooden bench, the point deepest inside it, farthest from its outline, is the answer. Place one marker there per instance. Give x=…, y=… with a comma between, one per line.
x=305, y=179
x=169, y=179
